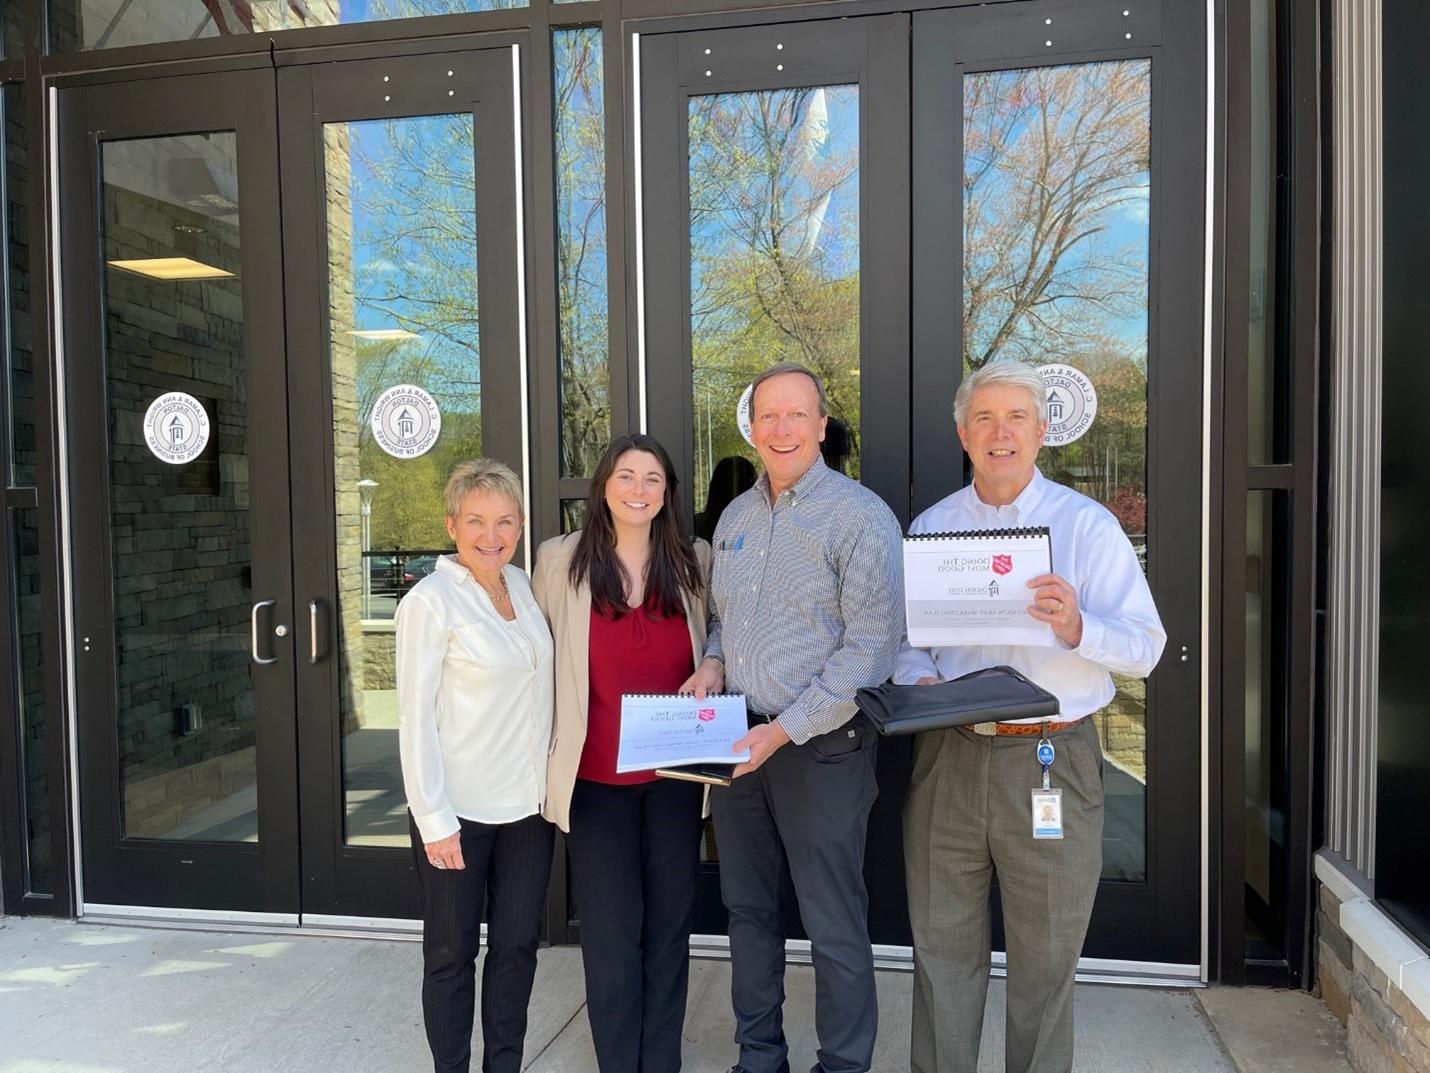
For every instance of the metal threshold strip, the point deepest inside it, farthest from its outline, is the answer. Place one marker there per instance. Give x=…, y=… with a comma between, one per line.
x=713, y=947
x=901, y=959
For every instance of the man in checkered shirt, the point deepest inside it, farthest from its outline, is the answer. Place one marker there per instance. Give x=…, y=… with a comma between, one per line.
x=806, y=608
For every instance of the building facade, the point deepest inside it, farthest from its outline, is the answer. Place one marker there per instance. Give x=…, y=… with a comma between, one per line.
x=271, y=269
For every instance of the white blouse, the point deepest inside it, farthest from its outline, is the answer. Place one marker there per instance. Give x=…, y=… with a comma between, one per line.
x=474, y=701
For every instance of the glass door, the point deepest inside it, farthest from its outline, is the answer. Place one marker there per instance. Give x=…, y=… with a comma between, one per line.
x=178, y=491
x=1059, y=189
x=402, y=231
x=775, y=181
x=894, y=208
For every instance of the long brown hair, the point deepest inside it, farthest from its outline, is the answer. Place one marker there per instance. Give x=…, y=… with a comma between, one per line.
x=673, y=568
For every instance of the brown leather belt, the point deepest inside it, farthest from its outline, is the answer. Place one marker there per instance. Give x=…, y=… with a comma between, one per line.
x=1029, y=730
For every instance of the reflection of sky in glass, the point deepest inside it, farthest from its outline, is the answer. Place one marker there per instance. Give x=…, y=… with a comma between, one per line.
x=768, y=170
x=1056, y=211
x=414, y=249
x=115, y=23
x=774, y=252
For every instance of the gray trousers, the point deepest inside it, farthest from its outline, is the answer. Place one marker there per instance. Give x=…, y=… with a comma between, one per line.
x=808, y=804
x=968, y=816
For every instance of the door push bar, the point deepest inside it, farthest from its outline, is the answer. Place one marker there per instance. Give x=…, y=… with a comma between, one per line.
x=312, y=631
x=253, y=632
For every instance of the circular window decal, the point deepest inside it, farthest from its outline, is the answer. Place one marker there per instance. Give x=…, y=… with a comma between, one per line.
x=176, y=428
x=405, y=421
x=742, y=415
x=1072, y=403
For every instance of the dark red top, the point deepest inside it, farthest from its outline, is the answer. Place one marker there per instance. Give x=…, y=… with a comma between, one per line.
x=636, y=653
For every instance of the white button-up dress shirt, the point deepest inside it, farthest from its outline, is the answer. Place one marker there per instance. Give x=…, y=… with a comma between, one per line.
x=1121, y=630
x=475, y=699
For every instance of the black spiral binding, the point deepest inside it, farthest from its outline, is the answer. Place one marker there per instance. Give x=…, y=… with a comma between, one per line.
x=670, y=696
x=981, y=534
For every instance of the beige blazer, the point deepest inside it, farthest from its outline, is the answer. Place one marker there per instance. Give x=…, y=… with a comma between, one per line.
x=568, y=610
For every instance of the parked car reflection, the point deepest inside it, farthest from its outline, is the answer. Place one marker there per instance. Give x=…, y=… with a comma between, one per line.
x=390, y=576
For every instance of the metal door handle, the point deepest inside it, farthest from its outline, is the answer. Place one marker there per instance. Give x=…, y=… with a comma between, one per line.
x=312, y=631
x=253, y=634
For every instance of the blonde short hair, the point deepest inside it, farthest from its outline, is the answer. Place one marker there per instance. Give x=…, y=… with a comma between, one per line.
x=482, y=475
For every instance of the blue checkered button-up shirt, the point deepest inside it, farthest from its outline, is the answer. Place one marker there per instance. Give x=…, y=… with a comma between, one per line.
x=806, y=599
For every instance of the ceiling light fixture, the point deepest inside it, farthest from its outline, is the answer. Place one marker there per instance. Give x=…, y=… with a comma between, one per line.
x=171, y=269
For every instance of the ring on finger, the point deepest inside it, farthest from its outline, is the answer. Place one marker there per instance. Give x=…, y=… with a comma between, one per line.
x=439, y=864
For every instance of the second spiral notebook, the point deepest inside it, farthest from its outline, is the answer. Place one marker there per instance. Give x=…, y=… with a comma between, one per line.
x=971, y=588
x=674, y=729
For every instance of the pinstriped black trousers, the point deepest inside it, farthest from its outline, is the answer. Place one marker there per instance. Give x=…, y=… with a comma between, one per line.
x=507, y=869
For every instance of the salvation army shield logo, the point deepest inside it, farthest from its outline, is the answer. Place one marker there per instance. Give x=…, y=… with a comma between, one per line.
x=1002, y=564
x=1072, y=403
x=176, y=428
x=405, y=421
x=705, y=714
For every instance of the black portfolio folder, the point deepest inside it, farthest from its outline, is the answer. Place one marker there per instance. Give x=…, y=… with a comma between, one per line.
x=994, y=694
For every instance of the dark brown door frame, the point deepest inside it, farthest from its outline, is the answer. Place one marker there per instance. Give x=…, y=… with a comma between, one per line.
x=260, y=877
x=338, y=879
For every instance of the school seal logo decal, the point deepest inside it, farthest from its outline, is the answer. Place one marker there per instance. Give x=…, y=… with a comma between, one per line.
x=1072, y=403
x=405, y=421
x=176, y=428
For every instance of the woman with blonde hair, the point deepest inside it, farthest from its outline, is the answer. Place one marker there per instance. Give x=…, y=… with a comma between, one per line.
x=474, y=704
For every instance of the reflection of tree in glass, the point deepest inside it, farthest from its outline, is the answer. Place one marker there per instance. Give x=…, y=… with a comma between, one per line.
x=415, y=254
x=774, y=249
x=1056, y=233
x=414, y=276
x=581, y=249
x=1055, y=183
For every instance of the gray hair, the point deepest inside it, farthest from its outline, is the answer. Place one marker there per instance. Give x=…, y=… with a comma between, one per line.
x=781, y=369
x=1011, y=372
x=482, y=475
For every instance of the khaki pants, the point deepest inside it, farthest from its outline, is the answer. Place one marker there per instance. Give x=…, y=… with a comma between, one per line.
x=967, y=818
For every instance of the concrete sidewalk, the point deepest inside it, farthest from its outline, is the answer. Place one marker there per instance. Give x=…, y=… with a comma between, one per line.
x=78, y=998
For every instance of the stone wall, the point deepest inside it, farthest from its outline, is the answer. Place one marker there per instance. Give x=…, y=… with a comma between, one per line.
x=348, y=420
x=22, y=525
x=1386, y=1031
x=179, y=534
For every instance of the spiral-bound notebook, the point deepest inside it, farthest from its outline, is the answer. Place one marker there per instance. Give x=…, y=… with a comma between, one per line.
x=971, y=588
x=666, y=730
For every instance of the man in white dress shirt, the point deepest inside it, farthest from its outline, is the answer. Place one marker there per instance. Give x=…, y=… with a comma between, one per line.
x=970, y=812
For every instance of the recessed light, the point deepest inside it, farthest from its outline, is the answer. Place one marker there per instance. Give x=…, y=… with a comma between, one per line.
x=383, y=333
x=170, y=268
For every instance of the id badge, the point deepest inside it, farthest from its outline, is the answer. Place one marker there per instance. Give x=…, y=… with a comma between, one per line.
x=1048, y=813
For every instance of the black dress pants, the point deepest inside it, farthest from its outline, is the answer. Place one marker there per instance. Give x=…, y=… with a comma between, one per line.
x=808, y=804
x=633, y=861
x=507, y=868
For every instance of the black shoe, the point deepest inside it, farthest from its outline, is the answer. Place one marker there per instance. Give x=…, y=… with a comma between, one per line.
x=784, y=1068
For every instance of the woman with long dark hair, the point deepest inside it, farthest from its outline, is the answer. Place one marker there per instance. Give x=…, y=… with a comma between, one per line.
x=625, y=597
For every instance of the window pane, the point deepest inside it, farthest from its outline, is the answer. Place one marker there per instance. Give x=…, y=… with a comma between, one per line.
x=12, y=28
x=90, y=24
x=1265, y=364
x=1267, y=588
x=581, y=250
x=1055, y=271
x=774, y=261
x=15, y=181
x=173, y=322
x=573, y=515
x=30, y=687
x=402, y=289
